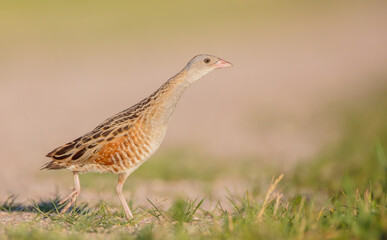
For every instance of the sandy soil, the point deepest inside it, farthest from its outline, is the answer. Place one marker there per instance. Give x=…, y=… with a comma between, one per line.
x=273, y=104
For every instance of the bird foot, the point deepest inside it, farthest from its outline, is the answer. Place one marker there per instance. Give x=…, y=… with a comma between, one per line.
x=72, y=197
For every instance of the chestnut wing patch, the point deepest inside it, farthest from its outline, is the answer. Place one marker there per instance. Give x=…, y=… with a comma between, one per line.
x=107, y=154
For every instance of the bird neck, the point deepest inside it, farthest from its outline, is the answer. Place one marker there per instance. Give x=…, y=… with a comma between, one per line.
x=176, y=85
x=166, y=98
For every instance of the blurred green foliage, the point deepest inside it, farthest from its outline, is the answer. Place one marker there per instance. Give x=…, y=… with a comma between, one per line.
x=88, y=22
x=358, y=158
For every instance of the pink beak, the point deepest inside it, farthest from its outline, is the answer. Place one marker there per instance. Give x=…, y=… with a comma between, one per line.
x=222, y=64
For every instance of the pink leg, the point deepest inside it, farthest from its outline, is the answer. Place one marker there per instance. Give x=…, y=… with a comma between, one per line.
x=73, y=195
x=121, y=180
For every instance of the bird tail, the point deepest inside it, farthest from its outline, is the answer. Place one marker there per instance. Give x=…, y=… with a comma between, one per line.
x=53, y=165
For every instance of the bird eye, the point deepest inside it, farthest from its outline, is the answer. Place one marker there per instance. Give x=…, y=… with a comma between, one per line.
x=206, y=60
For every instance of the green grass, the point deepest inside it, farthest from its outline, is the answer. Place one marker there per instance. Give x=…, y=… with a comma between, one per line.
x=339, y=194
x=348, y=214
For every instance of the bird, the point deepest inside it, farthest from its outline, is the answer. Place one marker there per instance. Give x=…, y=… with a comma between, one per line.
x=121, y=143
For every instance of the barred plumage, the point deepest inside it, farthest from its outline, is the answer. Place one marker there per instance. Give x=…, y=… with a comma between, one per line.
x=121, y=143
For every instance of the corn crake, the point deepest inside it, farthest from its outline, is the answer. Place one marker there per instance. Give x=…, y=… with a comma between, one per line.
x=121, y=143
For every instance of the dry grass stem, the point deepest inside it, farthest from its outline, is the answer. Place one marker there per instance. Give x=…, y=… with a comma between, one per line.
x=269, y=192
x=277, y=202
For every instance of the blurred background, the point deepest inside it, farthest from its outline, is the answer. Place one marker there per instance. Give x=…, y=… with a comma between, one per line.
x=307, y=91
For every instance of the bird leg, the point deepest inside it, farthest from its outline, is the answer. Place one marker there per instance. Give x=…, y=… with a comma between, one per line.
x=73, y=195
x=121, y=180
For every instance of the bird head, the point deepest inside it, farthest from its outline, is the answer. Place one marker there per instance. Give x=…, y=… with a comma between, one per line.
x=203, y=64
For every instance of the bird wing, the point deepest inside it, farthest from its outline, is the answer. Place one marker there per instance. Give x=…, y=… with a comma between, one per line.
x=83, y=148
